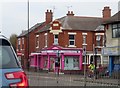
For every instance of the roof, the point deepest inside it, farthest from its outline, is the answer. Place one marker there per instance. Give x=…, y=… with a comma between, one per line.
x=30, y=30
x=114, y=18
x=77, y=23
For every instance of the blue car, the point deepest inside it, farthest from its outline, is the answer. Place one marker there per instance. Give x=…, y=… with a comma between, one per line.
x=11, y=73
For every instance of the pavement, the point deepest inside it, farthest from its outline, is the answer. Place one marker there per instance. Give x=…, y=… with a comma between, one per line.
x=73, y=77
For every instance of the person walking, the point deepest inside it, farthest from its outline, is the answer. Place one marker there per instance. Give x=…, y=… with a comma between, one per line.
x=91, y=69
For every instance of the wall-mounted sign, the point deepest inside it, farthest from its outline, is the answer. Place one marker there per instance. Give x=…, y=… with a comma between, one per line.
x=111, y=51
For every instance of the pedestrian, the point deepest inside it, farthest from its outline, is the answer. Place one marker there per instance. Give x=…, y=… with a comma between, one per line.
x=91, y=69
x=100, y=71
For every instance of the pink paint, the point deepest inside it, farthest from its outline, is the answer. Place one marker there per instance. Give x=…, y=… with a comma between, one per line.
x=71, y=54
x=48, y=63
x=62, y=62
x=81, y=60
x=41, y=62
x=39, y=59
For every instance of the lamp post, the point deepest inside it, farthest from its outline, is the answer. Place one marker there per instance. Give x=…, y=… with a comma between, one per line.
x=28, y=60
x=95, y=63
x=84, y=54
x=57, y=63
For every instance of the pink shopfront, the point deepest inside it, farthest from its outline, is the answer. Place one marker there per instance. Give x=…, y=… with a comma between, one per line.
x=70, y=59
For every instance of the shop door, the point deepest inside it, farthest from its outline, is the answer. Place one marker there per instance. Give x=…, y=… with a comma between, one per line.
x=68, y=63
x=52, y=63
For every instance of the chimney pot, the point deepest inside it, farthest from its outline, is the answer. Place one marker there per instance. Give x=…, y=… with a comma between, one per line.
x=70, y=13
x=49, y=16
x=106, y=13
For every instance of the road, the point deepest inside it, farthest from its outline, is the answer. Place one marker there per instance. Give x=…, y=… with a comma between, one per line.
x=49, y=79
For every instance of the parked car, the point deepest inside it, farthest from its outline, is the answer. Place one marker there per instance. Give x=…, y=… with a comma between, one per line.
x=11, y=73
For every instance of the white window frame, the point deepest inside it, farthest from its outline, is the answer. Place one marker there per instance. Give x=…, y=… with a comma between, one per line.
x=98, y=38
x=56, y=39
x=22, y=40
x=19, y=42
x=46, y=39
x=37, y=41
x=72, y=40
x=84, y=38
x=22, y=43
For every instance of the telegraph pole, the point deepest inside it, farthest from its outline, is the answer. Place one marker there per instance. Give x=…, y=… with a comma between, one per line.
x=85, y=78
x=28, y=38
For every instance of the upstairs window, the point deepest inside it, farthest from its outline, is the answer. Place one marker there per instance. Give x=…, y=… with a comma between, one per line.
x=55, y=39
x=19, y=43
x=22, y=43
x=46, y=39
x=98, y=38
x=72, y=40
x=37, y=41
x=84, y=39
x=116, y=30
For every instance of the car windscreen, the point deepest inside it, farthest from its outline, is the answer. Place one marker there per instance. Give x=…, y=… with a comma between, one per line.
x=7, y=56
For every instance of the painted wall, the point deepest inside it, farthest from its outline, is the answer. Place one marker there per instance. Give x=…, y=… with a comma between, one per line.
x=109, y=40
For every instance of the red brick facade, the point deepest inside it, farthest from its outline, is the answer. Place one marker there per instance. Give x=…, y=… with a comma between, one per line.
x=63, y=36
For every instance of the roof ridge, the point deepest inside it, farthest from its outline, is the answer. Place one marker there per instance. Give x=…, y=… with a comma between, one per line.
x=86, y=17
x=30, y=29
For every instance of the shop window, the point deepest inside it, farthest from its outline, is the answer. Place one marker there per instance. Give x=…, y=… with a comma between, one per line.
x=71, y=63
x=75, y=63
x=116, y=60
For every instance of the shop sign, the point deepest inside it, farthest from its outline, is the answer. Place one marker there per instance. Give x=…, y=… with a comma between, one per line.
x=111, y=51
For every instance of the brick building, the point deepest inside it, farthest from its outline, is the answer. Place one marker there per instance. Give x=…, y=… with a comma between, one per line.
x=71, y=32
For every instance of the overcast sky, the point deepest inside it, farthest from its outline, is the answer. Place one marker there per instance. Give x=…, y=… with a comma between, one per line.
x=14, y=16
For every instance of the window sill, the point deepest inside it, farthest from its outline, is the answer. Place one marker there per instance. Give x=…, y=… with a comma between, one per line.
x=71, y=46
x=45, y=46
x=37, y=47
x=84, y=44
x=99, y=46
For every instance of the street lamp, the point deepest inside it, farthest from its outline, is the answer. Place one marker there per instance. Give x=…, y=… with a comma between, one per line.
x=95, y=63
x=57, y=63
x=84, y=54
x=28, y=60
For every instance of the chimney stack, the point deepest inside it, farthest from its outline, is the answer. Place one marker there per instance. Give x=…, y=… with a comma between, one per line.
x=49, y=16
x=70, y=13
x=106, y=13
